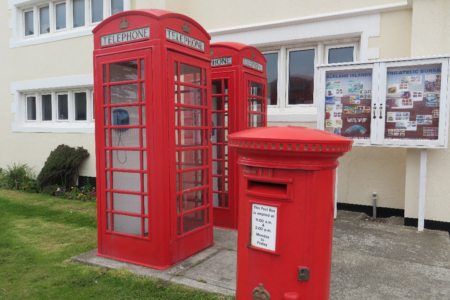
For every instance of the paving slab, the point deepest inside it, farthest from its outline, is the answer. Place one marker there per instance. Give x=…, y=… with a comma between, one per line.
x=371, y=260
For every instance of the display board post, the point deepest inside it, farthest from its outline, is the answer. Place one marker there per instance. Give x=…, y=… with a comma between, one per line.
x=422, y=188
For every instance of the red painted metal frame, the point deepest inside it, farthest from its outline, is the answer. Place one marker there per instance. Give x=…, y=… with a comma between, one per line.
x=161, y=247
x=306, y=159
x=237, y=75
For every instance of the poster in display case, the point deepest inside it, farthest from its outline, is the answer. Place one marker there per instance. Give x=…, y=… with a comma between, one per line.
x=393, y=103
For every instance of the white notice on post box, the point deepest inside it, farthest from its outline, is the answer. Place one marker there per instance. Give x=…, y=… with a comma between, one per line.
x=264, y=226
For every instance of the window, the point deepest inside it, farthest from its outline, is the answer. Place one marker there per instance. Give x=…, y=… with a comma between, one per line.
x=80, y=107
x=44, y=20
x=301, y=77
x=46, y=107
x=78, y=13
x=31, y=108
x=63, y=107
x=77, y=17
x=60, y=16
x=272, y=78
x=28, y=23
x=340, y=55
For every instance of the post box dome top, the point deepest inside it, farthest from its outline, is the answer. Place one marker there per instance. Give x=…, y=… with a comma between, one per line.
x=157, y=14
x=290, y=139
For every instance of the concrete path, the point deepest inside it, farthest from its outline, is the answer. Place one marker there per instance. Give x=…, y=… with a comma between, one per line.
x=371, y=260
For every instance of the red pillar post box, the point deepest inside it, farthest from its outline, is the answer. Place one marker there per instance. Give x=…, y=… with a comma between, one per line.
x=285, y=232
x=152, y=88
x=239, y=102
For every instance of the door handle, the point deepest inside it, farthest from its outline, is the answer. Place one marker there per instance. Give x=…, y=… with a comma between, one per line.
x=374, y=111
x=381, y=111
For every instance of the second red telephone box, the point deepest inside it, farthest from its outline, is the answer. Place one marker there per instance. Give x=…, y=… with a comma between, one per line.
x=152, y=85
x=239, y=102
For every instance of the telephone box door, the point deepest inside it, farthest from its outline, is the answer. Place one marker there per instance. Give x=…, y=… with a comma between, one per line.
x=190, y=193
x=122, y=147
x=222, y=106
x=256, y=101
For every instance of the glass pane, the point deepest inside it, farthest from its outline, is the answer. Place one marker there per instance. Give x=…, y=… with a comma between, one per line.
x=125, y=115
x=143, y=114
x=63, y=107
x=191, y=117
x=193, y=200
x=255, y=120
x=146, y=227
x=217, y=119
x=97, y=10
x=340, y=55
x=204, y=77
x=46, y=107
x=218, y=136
x=193, y=220
x=217, y=200
x=144, y=137
x=106, y=117
x=142, y=92
x=31, y=108
x=217, y=167
x=145, y=205
x=301, y=76
x=255, y=104
x=107, y=158
x=217, y=184
x=191, y=159
x=216, y=103
x=60, y=16
x=225, y=119
x=123, y=71
x=127, y=137
x=106, y=138
x=175, y=70
x=105, y=94
x=125, y=93
x=29, y=23
x=216, y=87
x=142, y=69
x=256, y=89
x=80, y=106
x=217, y=152
x=108, y=217
x=191, y=138
x=127, y=203
x=78, y=13
x=145, y=182
x=116, y=6
x=190, y=74
x=192, y=179
x=190, y=95
x=127, y=181
x=44, y=20
x=272, y=78
x=127, y=224
x=126, y=159
x=144, y=160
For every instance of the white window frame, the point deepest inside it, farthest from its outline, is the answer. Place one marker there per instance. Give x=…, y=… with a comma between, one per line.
x=88, y=102
x=41, y=108
x=53, y=25
x=57, y=107
x=17, y=24
x=26, y=108
x=49, y=5
x=355, y=50
x=278, y=80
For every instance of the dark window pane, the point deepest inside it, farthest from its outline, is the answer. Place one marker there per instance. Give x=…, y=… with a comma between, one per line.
x=63, y=107
x=340, y=55
x=78, y=13
x=301, y=76
x=123, y=71
x=272, y=78
x=44, y=20
x=80, y=106
x=60, y=16
x=28, y=16
x=193, y=220
x=31, y=108
x=216, y=87
x=97, y=10
x=190, y=74
x=124, y=93
x=116, y=6
x=46, y=107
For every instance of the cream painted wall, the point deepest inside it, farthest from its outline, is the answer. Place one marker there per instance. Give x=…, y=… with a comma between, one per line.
x=431, y=36
x=395, y=34
x=214, y=14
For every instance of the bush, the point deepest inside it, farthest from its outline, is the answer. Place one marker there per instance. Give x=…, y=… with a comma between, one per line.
x=61, y=167
x=18, y=177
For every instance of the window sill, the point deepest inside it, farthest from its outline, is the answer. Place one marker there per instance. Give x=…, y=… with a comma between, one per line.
x=55, y=128
x=305, y=114
x=63, y=35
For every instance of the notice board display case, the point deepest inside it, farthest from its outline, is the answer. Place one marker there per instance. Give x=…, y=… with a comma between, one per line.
x=392, y=103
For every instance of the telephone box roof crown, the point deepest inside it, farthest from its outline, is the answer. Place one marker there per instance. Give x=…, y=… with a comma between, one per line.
x=157, y=14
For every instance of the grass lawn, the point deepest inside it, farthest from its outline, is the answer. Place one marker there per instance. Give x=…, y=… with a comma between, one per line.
x=38, y=236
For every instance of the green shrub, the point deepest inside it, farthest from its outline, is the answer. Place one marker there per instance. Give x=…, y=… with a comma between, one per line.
x=17, y=177
x=61, y=167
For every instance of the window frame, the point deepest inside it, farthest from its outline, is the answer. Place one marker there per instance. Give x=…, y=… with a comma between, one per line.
x=74, y=105
x=57, y=107
x=49, y=18
x=55, y=17
x=278, y=77
x=35, y=108
x=41, y=103
x=24, y=25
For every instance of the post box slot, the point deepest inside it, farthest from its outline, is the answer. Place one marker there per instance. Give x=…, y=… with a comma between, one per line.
x=267, y=188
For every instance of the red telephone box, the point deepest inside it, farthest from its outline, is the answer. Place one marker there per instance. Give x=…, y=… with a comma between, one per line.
x=151, y=72
x=286, y=211
x=239, y=102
